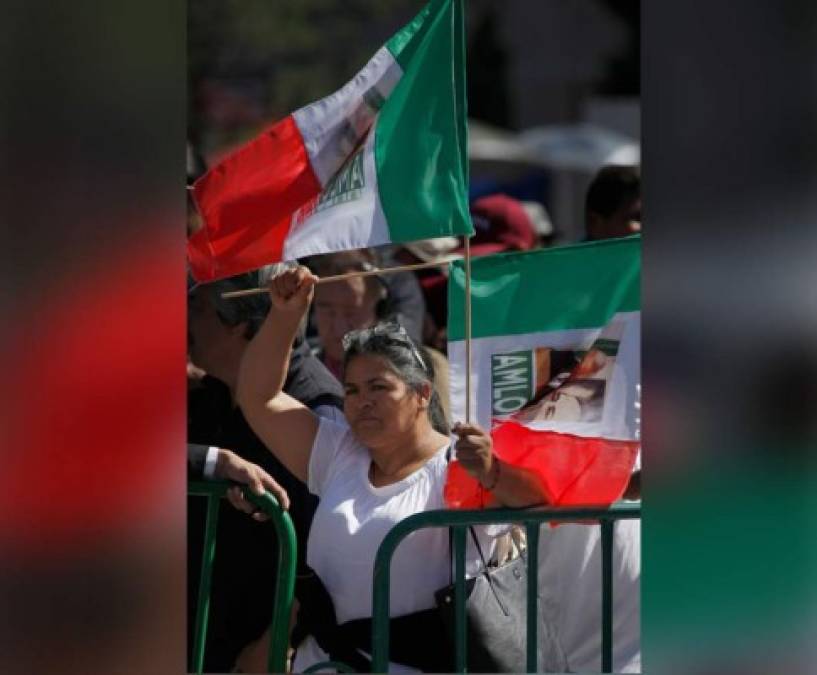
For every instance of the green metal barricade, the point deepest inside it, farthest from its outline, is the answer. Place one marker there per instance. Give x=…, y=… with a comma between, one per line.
x=460, y=521
x=285, y=581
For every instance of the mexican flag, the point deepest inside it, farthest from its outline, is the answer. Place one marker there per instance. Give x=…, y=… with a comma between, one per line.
x=556, y=367
x=382, y=160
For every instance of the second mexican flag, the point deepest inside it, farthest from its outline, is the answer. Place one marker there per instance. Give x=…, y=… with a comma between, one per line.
x=555, y=367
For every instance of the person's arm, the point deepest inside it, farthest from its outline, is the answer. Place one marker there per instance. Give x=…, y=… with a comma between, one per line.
x=285, y=425
x=510, y=485
x=196, y=460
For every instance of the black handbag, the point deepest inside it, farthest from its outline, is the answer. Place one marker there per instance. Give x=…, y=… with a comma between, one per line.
x=496, y=617
x=496, y=620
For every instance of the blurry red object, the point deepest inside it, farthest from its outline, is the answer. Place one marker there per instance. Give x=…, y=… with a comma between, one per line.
x=500, y=224
x=94, y=410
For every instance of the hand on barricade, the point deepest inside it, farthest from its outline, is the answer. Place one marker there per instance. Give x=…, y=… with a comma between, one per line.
x=232, y=467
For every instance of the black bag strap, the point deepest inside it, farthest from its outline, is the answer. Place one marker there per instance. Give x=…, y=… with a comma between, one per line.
x=451, y=552
x=479, y=551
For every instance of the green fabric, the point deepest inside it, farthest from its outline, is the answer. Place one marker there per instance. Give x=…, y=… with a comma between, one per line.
x=460, y=99
x=401, y=45
x=420, y=135
x=580, y=286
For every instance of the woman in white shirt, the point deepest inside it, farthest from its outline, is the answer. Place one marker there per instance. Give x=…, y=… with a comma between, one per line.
x=389, y=462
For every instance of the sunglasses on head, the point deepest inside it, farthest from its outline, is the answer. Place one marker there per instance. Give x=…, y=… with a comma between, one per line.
x=390, y=331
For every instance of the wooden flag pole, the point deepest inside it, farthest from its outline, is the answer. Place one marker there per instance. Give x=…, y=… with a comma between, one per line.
x=467, y=330
x=349, y=275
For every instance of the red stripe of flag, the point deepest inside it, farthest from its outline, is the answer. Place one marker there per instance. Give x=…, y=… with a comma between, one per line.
x=246, y=202
x=574, y=470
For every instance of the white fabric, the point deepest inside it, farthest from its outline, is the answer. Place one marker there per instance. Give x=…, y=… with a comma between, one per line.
x=351, y=521
x=330, y=412
x=570, y=582
x=210, y=460
x=356, y=221
x=332, y=127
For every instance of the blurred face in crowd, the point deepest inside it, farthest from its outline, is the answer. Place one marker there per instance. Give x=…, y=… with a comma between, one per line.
x=342, y=306
x=624, y=221
x=378, y=405
x=214, y=347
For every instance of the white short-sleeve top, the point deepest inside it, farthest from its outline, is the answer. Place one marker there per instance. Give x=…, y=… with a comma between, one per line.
x=353, y=517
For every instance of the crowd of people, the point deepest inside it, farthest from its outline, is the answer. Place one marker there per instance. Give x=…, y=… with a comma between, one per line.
x=334, y=397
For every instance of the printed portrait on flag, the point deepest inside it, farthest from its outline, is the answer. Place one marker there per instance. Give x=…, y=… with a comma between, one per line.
x=570, y=385
x=555, y=384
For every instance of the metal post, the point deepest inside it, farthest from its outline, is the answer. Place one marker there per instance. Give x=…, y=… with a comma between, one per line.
x=380, y=605
x=460, y=632
x=607, y=595
x=532, y=644
x=284, y=583
x=202, y=611
x=459, y=519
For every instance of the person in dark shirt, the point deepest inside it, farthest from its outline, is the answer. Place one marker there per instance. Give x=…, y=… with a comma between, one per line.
x=246, y=551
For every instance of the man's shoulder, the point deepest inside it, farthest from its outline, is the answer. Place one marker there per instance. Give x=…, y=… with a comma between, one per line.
x=311, y=382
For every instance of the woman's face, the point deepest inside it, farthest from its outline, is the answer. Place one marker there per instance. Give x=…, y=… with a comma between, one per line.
x=378, y=405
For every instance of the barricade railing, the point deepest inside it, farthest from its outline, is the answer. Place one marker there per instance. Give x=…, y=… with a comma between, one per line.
x=459, y=521
x=284, y=583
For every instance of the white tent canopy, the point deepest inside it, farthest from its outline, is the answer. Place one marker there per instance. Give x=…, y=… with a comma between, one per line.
x=492, y=144
x=573, y=147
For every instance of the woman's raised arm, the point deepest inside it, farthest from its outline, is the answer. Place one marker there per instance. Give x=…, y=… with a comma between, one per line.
x=285, y=425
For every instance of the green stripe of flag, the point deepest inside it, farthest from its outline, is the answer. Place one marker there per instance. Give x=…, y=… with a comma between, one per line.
x=402, y=44
x=420, y=137
x=460, y=99
x=579, y=286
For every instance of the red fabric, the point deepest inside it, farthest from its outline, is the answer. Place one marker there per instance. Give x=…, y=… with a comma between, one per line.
x=574, y=470
x=246, y=202
x=94, y=426
x=500, y=224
